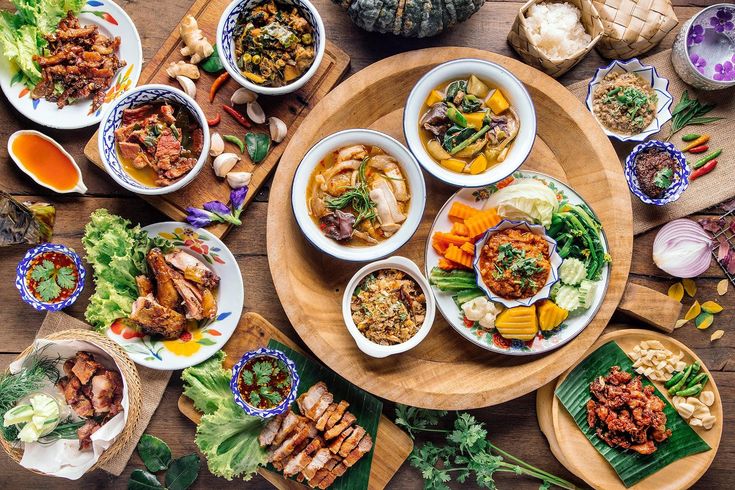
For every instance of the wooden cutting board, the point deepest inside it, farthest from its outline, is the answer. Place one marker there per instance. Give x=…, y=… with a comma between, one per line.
x=291, y=108
x=392, y=445
x=446, y=371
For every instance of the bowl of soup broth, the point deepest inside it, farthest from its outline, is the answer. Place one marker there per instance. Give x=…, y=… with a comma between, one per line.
x=154, y=140
x=358, y=195
x=469, y=122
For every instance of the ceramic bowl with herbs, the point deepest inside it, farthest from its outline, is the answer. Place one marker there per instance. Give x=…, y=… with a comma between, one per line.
x=657, y=173
x=629, y=100
x=50, y=277
x=264, y=382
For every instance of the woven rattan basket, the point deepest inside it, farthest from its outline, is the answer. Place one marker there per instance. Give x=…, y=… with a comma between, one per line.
x=129, y=374
x=520, y=40
x=632, y=27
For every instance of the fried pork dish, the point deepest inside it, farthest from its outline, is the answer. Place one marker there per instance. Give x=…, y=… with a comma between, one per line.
x=81, y=63
x=625, y=413
x=388, y=307
x=184, y=290
x=158, y=143
x=94, y=393
x=320, y=444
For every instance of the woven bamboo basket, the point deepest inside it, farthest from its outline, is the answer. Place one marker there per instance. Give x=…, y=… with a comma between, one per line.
x=633, y=27
x=129, y=374
x=520, y=40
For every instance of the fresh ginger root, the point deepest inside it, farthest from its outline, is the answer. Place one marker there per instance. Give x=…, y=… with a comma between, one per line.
x=196, y=44
x=183, y=68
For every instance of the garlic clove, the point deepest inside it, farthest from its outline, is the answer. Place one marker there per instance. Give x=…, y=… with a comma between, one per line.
x=243, y=96
x=224, y=163
x=255, y=112
x=216, y=145
x=187, y=84
x=236, y=180
x=278, y=129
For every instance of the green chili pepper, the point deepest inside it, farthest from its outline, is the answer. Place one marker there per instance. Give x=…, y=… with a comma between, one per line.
x=678, y=386
x=674, y=379
x=695, y=368
x=235, y=141
x=710, y=156
x=698, y=379
x=690, y=137
x=693, y=391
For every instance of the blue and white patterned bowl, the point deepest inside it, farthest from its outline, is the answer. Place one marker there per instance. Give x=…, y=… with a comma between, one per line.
x=112, y=119
x=679, y=183
x=281, y=407
x=660, y=87
x=226, y=47
x=554, y=258
x=21, y=272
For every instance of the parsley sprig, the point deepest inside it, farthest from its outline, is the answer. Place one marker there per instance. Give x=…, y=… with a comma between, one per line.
x=467, y=452
x=52, y=280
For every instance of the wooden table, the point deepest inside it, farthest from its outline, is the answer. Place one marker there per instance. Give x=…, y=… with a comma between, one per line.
x=511, y=426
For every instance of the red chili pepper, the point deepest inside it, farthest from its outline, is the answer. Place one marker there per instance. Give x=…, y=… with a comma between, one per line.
x=699, y=149
x=218, y=82
x=236, y=115
x=707, y=168
x=214, y=121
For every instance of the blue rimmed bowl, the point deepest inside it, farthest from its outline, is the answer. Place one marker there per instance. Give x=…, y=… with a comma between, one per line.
x=554, y=258
x=281, y=407
x=226, y=43
x=112, y=119
x=659, y=84
x=679, y=182
x=23, y=269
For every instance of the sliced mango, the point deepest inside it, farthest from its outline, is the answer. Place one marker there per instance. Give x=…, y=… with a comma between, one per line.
x=693, y=312
x=453, y=164
x=478, y=165
x=497, y=102
x=474, y=119
x=434, y=98
x=711, y=307
x=676, y=291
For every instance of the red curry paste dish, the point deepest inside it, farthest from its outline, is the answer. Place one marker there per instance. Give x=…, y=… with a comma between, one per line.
x=518, y=267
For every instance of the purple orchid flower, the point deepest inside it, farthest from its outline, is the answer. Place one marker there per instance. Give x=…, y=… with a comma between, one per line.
x=724, y=71
x=696, y=35
x=722, y=21
x=237, y=200
x=698, y=62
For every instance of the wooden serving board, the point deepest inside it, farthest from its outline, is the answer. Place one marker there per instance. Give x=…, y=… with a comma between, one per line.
x=291, y=108
x=392, y=445
x=570, y=446
x=445, y=371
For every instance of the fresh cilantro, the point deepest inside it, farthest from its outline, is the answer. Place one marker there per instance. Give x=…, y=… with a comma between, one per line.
x=247, y=377
x=254, y=398
x=514, y=260
x=663, y=177
x=48, y=289
x=52, y=280
x=65, y=278
x=271, y=396
x=467, y=452
x=263, y=371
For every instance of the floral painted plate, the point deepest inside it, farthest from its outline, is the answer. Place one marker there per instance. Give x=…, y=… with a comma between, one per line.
x=200, y=342
x=491, y=340
x=112, y=21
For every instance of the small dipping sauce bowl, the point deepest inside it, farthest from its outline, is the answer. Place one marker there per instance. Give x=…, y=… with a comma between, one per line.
x=267, y=355
x=25, y=268
x=679, y=181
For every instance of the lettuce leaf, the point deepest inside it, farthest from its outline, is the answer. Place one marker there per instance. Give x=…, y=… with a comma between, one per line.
x=228, y=438
x=208, y=384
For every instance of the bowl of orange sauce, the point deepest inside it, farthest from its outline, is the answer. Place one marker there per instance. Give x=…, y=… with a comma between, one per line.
x=45, y=161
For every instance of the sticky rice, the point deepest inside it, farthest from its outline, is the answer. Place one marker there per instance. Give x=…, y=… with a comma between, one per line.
x=556, y=30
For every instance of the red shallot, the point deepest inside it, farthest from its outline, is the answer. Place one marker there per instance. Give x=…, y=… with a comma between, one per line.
x=682, y=248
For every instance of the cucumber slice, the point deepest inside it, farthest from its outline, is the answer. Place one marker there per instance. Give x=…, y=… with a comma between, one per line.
x=18, y=415
x=44, y=405
x=29, y=433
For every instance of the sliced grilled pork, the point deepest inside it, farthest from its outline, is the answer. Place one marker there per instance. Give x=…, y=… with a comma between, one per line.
x=313, y=403
x=351, y=442
x=364, y=447
x=270, y=430
x=290, y=422
x=321, y=424
x=336, y=444
x=337, y=415
x=289, y=445
x=320, y=459
x=347, y=420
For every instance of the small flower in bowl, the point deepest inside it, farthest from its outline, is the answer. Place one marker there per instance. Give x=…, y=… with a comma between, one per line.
x=629, y=100
x=657, y=173
x=516, y=263
x=50, y=277
x=264, y=382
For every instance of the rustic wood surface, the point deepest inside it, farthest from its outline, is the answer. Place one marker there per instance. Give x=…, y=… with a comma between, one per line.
x=511, y=425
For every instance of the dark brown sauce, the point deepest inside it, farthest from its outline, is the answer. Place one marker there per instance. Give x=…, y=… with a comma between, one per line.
x=264, y=382
x=59, y=260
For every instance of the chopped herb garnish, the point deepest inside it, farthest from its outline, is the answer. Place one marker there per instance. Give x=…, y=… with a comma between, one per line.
x=662, y=179
x=52, y=279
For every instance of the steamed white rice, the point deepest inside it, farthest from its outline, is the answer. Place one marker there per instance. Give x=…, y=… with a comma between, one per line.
x=556, y=30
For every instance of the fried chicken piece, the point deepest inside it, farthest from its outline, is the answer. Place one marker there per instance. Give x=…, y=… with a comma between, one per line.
x=193, y=269
x=166, y=292
x=156, y=319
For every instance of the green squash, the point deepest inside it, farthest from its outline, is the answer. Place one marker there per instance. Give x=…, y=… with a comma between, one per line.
x=409, y=18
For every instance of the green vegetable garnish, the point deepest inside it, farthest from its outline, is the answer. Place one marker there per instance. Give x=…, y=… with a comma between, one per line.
x=258, y=145
x=213, y=64
x=357, y=196
x=155, y=453
x=690, y=112
x=235, y=141
x=52, y=280
x=662, y=179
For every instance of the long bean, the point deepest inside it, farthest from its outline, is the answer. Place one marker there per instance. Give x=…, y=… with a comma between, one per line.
x=469, y=140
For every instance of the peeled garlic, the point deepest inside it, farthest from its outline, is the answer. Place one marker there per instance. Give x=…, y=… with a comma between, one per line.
x=243, y=96
x=217, y=145
x=187, y=84
x=224, y=163
x=707, y=397
x=277, y=128
x=255, y=112
x=237, y=180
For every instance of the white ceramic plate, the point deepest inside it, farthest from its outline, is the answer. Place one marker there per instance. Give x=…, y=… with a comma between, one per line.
x=198, y=343
x=494, y=342
x=112, y=21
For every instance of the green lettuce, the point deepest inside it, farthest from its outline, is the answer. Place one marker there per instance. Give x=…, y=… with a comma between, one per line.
x=208, y=384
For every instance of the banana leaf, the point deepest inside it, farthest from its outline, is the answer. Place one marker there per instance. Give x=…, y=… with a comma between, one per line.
x=631, y=467
x=365, y=407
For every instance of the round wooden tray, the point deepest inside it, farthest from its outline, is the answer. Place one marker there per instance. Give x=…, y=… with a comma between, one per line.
x=445, y=371
x=568, y=443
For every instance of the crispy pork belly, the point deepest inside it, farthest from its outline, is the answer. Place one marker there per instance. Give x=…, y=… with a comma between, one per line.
x=328, y=479
x=193, y=269
x=351, y=442
x=290, y=422
x=364, y=447
x=157, y=319
x=270, y=430
x=336, y=444
x=340, y=469
x=337, y=414
x=321, y=424
x=85, y=366
x=289, y=445
x=74, y=396
x=297, y=463
x=347, y=420
x=318, y=461
x=84, y=433
x=107, y=392
x=315, y=401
